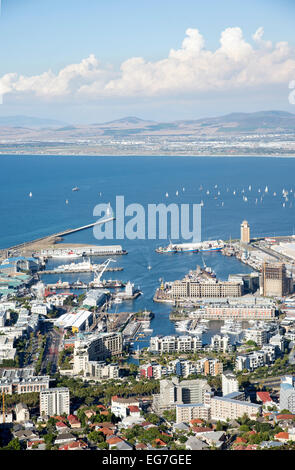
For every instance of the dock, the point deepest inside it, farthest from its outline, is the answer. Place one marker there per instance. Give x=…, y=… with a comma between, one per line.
x=33, y=246
x=77, y=270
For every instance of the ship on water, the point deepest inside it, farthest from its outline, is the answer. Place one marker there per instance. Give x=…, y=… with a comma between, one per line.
x=66, y=254
x=214, y=245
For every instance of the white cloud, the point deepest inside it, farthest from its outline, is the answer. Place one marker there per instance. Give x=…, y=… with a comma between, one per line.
x=191, y=69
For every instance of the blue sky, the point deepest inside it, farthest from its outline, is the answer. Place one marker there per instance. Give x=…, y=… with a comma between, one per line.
x=49, y=35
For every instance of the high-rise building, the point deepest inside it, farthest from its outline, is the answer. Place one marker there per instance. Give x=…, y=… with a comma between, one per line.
x=55, y=401
x=274, y=280
x=245, y=232
x=287, y=393
x=173, y=392
x=230, y=383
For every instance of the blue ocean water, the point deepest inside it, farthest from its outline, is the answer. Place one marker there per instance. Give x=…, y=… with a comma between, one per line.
x=146, y=180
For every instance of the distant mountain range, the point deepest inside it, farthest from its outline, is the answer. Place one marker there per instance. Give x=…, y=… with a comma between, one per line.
x=234, y=123
x=244, y=134
x=28, y=121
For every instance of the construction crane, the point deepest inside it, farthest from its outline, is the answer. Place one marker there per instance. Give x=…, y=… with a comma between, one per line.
x=98, y=274
x=3, y=407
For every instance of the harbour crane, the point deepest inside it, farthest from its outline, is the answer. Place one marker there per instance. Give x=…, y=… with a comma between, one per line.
x=204, y=264
x=98, y=274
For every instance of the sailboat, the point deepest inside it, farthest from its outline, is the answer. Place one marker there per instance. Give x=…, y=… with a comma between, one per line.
x=266, y=189
x=167, y=194
x=30, y=194
x=67, y=202
x=176, y=193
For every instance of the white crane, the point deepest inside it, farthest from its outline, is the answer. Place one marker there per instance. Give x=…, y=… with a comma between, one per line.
x=98, y=274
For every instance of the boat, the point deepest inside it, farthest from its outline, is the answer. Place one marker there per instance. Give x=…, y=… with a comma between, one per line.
x=231, y=327
x=212, y=246
x=182, y=325
x=30, y=194
x=76, y=188
x=192, y=247
x=66, y=254
x=118, y=300
x=168, y=249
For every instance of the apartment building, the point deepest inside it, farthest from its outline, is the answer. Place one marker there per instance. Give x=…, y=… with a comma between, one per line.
x=55, y=401
x=173, y=392
x=170, y=344
x=22, y=381
x=230, y=383
x=232, y=407
x=186, y=412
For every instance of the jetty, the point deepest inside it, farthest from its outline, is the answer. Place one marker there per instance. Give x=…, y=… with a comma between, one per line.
x=33, y=246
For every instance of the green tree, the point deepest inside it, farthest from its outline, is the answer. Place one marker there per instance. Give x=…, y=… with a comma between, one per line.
x=14, y=444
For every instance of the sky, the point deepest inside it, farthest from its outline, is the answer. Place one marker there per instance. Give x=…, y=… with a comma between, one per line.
x=84, y=61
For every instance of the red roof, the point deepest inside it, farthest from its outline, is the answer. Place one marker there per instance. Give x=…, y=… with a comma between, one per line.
x=101, y=407
x=286, y=416
x=141, y=446
x=133, y=409
x=249, y=447
x=106, y=431
x=60, y=424
x=31, y=443
x=159, y=442
x=196, y=421
x=73, y=445
x=264, y=397
x=240, y=439
x=72, y=418
x=201, y=429
x=114, y=440
x=282, y=435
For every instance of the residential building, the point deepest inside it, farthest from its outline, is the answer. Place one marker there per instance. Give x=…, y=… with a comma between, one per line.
x=186, y=412
x=170, y=344
x=232, y=407
x=287, y=394
x=173, y=392
x=229, y=383
x=55, y=401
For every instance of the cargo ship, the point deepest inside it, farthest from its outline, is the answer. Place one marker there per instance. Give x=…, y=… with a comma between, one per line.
x=215, y=245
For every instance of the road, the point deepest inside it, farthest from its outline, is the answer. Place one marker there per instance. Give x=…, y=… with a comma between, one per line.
x=53, y=342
